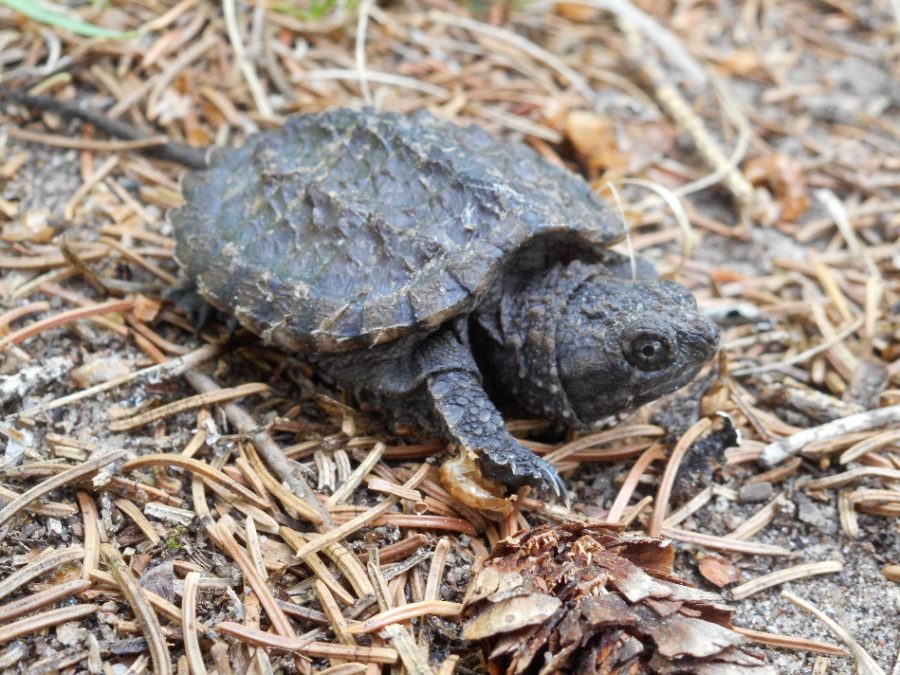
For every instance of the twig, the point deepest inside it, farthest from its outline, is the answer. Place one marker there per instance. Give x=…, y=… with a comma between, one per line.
x=162, y=371
x=270, y=450
x=780, y=450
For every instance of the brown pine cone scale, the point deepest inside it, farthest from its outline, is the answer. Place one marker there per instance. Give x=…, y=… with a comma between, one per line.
x=587, y=599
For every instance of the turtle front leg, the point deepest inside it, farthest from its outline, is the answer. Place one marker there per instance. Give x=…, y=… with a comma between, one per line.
x=473, y=422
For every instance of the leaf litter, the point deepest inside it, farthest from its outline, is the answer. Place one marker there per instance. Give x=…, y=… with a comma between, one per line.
x=164, y=490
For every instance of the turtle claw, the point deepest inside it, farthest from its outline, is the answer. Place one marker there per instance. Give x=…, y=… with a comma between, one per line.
x=516, y=467
x=550, y=483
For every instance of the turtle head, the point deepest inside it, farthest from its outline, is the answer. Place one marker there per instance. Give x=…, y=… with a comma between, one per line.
x=621, y=343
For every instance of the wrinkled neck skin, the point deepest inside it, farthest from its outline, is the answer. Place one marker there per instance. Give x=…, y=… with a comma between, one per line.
x=514, y=333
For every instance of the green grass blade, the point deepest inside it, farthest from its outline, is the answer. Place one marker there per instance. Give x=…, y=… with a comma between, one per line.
x=50, y=17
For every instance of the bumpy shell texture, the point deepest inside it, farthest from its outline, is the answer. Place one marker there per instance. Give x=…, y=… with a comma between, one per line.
x=588, y=600
x=351, y=228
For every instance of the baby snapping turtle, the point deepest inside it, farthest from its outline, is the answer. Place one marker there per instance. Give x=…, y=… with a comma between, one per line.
x=420, y=263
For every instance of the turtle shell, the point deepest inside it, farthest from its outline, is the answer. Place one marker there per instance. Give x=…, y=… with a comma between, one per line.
x=352, y=228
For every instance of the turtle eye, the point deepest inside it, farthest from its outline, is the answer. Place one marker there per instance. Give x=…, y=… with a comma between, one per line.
x=648, y=351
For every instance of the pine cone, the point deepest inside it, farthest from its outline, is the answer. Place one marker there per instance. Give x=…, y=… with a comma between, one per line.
x=586, y=599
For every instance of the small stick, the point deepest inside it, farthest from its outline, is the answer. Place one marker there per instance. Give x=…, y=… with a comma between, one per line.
x=161, y=371
x=193, y=158
x=287, y=471
x=290, y=500
x=782, y=449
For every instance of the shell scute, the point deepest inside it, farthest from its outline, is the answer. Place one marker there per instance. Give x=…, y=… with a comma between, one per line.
x=348, y=228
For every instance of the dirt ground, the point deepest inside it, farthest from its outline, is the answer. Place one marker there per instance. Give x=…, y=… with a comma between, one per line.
x=773, y=129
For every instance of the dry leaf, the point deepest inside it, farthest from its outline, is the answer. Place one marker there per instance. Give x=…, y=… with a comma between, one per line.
x=594, y=139
x=785, y=178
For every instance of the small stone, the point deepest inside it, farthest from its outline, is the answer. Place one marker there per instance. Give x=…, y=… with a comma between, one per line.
x=812, y=514
x=756, y=492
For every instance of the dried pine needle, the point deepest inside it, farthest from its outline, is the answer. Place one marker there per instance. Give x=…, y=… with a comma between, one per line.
x=125, y=580
x=198, y=401
x=308, y=647
x=405, y=613
x=37, y=622
x=67, y=476
x=749, y=588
